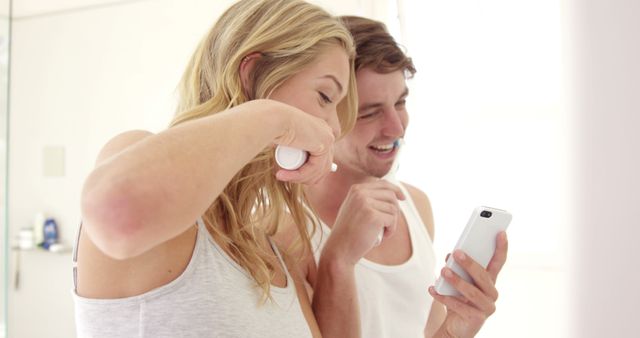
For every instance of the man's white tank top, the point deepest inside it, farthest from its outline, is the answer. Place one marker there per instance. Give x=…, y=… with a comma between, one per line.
x=213, y=297
x=394, y=301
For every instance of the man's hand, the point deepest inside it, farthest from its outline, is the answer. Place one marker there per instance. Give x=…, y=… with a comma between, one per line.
x=369, y=209
x=467, y=313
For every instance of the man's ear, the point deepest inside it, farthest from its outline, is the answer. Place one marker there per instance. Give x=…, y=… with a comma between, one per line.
x=246, y=69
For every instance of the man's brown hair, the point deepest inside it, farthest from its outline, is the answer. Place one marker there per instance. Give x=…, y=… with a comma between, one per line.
x=376, y=48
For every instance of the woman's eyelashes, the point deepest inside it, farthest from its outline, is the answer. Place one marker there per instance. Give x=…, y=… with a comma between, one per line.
x=325, y=98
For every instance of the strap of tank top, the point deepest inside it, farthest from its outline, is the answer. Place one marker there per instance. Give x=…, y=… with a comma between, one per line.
x=75, y=258
x=274, y=247
x=412, y=207
x=201, y=222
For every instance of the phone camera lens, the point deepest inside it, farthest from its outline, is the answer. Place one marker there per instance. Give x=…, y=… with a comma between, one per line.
x=486, y=214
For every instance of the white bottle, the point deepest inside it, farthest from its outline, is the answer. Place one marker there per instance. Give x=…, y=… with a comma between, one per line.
x=25, y=239
x=38, y=227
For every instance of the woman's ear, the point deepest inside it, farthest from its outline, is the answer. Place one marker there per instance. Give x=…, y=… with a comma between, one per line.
x=246, y=69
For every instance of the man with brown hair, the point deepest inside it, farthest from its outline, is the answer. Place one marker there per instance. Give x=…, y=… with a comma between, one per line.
x=389, y=291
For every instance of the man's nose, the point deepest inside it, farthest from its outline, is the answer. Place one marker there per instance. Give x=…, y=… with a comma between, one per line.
x=393, y=125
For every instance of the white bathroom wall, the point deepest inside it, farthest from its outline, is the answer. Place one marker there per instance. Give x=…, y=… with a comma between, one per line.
x=81, y=73
x=32, y=8
x=606, y=274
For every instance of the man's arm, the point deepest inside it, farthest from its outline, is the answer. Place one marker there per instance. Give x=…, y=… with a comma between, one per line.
x=330, y=286
x=335, y=298
x=368, y=209
x=437, y=316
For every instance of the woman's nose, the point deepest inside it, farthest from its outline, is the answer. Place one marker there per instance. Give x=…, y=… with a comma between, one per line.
x=334, y=123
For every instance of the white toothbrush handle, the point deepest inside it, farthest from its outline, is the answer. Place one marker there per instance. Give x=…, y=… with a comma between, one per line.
x=379, y=239
x=290, y=158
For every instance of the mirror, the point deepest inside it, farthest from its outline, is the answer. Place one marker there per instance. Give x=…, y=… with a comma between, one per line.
x=86, y=70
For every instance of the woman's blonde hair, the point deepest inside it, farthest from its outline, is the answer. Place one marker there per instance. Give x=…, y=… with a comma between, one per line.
x=289, y=35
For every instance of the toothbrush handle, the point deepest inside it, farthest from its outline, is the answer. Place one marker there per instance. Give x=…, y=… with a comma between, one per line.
x=379, y=239
x=290, y=158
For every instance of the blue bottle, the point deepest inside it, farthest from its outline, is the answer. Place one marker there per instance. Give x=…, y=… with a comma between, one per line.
x=50, y=230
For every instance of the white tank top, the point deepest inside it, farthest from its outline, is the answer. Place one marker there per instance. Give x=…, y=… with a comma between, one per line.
x=394, y=301
x=213, y=297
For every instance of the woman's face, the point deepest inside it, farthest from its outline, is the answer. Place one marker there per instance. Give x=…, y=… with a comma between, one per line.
x=318, y=88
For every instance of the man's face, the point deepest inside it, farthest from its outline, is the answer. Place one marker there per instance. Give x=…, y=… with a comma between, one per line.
x=370, y=148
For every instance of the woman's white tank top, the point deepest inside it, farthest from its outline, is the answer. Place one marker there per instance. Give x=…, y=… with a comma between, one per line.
x=213, y=297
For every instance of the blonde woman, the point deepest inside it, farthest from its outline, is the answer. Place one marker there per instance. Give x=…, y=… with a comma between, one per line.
x=177, y=226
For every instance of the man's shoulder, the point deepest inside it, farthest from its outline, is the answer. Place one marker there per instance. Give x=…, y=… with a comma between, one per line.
x=417, y=195
x=423, y=205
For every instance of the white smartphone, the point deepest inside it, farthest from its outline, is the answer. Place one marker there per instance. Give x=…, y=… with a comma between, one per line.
x=478, y=241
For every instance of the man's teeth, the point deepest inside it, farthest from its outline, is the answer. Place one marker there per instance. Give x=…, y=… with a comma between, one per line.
x=385, y=147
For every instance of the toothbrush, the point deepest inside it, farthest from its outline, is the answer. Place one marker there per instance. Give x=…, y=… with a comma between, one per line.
x=290, y=158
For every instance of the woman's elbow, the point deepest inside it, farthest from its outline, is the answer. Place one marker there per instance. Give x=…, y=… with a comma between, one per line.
x=111, y=218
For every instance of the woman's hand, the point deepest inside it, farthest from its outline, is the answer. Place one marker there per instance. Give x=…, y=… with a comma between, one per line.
x=313, y=135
